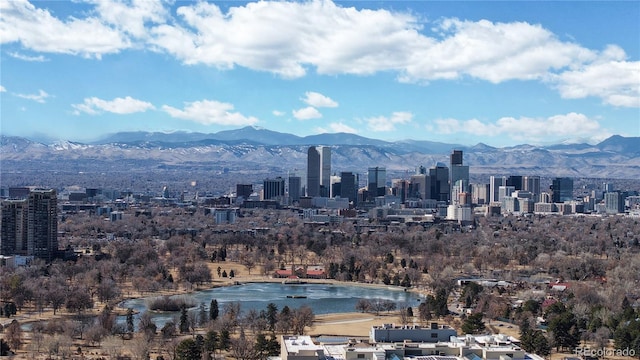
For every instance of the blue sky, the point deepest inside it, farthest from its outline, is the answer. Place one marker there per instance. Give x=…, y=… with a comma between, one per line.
x=502, y=73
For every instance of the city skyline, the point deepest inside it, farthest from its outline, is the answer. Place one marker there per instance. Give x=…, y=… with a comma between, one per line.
x=461, y=72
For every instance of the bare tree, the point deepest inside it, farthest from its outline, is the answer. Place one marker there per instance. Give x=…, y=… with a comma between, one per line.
x=302, y=318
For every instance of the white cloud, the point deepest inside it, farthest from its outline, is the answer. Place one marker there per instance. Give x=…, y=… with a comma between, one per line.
x=278, y=113
x=307, y=113
x=318, y=100
x=17, y=55
x=126, y=105
x=210, y=112
x=321, y=36
x=383, y=123
x=495, y=52
x=341, y=127
x=611, y=78
x=2, y=89
x=38, y=30
x=525, y=128
x=40, y=97
x=131, y=16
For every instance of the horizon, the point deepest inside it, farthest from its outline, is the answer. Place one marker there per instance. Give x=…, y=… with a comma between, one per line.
x=100, y=140
x=497, y=73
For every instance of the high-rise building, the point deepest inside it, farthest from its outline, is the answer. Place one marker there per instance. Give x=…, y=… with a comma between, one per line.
x=273, y=188
x=318, y=171
x=244, y=190
x=349, y=186
x=480, y=194
x=614, y=202
x=13, y=227
x=494, y=185
x=515, y=181
x=377, y=184
x=456, y=157
x=505, y=191
x=400, y=188
x=420, y=187
x=295, y=188
x=562, y=190
x=458, y=175
x=440, y=190
x=42, y=224
x=532, y=185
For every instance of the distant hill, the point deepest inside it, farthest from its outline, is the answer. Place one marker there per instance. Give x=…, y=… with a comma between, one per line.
x=256, y=148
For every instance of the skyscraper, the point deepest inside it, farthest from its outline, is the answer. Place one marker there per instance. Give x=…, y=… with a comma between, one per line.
x=515, y=181
x=318, y=171
x=494, y=185
x=42, y=224
x=532, y=185
x=562, y=190
x=420, y=187
x=295, y=188
x=349, y=186
x=377, y=181
x=439, y=178
x=614, y=202
x=13, y=227
x=458, y=176
x=244, y=190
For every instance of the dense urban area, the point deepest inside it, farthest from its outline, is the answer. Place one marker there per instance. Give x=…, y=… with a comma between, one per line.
x=511, y=266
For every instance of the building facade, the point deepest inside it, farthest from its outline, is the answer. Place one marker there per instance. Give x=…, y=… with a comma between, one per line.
x=318, y=171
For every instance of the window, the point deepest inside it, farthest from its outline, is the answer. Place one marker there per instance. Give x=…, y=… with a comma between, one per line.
x=434, y=335
x=360, y=356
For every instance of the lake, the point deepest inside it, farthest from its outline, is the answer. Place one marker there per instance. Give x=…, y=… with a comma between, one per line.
x=321, y=298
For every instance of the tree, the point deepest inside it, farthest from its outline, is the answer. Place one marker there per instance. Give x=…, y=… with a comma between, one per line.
x=404, y=315
x=202, y=315
x=272, y=316
x=4, y=348
x=129, y=320
x=214, y=311
x=225, y=340
x=565, y=330
x=406, y=282
x=211, y=341
x=363, y=305
x=470, y=294
x=184, y=320
x=285, y=320
x=146, y=324
x=188, y=350
x=243, y=348
x=168, y=330
x=78, y=300
x=473, y=324
x=14, y=334
x=302, y=318
x=265, y=347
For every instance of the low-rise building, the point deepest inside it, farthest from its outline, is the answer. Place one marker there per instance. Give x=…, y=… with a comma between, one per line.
x=414, y=333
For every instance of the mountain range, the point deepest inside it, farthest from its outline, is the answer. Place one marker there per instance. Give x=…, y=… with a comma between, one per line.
x=253, y=148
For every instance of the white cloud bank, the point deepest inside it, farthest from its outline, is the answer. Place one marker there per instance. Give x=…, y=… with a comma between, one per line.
x=210, y=112
x=292, y=38
x=385, y=124
x=2, y=89
x=121, y=106
x=571, y=125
